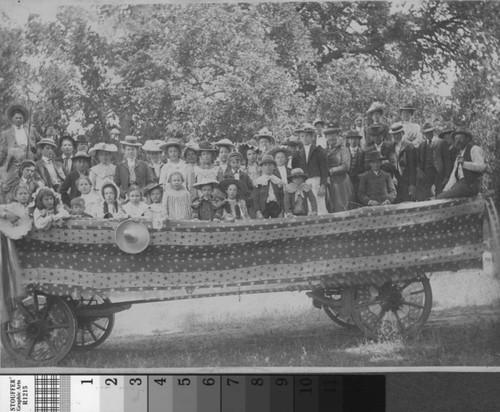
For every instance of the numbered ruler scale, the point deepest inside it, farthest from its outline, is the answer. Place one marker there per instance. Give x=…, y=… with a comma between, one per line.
x=191, y=393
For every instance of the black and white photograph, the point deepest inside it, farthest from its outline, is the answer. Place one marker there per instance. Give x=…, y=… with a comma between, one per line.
x=249, y=185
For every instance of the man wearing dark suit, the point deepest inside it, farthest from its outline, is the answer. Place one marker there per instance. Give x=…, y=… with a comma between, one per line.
x=403, y=160
x=357, y=158
x=67, y=146
x=49, y=170
x=434, y=163
x=132, y=170
x=313, y=161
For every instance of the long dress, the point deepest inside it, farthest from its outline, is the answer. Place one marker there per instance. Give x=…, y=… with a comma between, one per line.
x=177, y=203
x=341, y=191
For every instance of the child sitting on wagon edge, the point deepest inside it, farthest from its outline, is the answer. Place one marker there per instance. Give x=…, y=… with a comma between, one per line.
x=206, y=207
x=235, y=207
x=268, y=193
x=78, y=209
x=297, y=193
x=376, y=186
x=48, y=209
x=135, y=208
x=110, y=207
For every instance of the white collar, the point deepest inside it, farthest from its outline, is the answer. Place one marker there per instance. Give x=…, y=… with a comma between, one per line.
x=46, y=159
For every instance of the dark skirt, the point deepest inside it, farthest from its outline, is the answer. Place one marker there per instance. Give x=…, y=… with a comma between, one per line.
x=340, y=193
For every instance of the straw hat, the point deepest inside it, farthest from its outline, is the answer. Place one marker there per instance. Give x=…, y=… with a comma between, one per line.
x=224, y=142
x=408, y=106
x=132, y=237
x=265, y=133
x=428, y=127
x=205, y=182
x=103, y=147
x=375, y=107
x=46, y=141
x=131, y=141
x=206, y=147
x=172, y=142
x=297, y=172
x=318, y=120
x=397, y=127
x=153, y=145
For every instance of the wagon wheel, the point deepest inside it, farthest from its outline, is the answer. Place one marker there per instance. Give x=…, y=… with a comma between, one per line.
x=333, y=312
x=392, y=309
x=41, y=330
x=91, y=332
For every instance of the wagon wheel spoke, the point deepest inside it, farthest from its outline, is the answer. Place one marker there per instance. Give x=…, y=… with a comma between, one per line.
x=414, y=305
x=91, y=300
x=98, y=326
x=405, y=285
x=375, y=301
x=48, y=306
x=16, y=331
x=51, y=346
x=30, y=314
x=417, y=292
x=400, y=323
x=30, y=349
x=381, y=316
x=36, y=303
x=92, y=333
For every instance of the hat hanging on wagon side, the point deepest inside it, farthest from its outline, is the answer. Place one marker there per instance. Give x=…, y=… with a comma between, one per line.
x=172, y=142
x=103, y=147
x=267, y=159
x=373, y=155
x=206, y=147
x=154, y=145
x=333, y=127
x=224, y=142
x=214, y=183
x=353, y=134
x=376, y=107
x=462, y=130
x=46, y=141
x=81, y=155
x=408, y=106
x=224, y=184
x=280, y=149
x=17, y=108
x=397, y=127
x=297, y=172
x=265, y=133
x=131, y=141
x=318, y=121
x=132, y=237
x=427, y=128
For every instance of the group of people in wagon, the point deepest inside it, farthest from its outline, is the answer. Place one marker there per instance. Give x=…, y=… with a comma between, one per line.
x=318, y=169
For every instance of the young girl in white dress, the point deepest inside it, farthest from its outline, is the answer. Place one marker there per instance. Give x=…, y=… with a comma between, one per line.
x=104, y=170
x=173, y=148
x=177, y=199
x=135, y=208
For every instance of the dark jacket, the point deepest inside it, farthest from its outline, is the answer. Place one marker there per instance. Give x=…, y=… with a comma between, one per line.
x=373, y=187
x=315, y=166
x=8, y=140
x=441, y=158
x=407, y=161
x=277, y=173
x=68, y=189
x=243, y=178
x=261, y=193
x=207, y=209
x=44, y=173
x=143, y=175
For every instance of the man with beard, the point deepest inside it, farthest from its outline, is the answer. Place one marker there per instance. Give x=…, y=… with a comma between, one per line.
x=465, y=178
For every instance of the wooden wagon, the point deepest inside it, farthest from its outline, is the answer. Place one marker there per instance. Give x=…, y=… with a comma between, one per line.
x=366, y=268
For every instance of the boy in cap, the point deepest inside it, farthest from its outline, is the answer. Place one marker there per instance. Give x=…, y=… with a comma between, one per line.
x=268, y=192
x=376, y=186
x=206, y=207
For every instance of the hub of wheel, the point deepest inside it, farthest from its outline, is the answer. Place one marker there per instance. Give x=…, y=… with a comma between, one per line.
x=36, y=329
x=391, y=298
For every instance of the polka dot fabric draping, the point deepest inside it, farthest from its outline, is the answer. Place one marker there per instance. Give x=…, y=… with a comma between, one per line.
x=191, y=259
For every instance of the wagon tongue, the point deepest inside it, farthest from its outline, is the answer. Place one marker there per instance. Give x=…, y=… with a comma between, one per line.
x=102, y=310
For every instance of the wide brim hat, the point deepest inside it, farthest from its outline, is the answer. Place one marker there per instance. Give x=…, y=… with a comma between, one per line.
x=373, y=155
x=445, y=132
x=397, y=128
x=132, y=237
x=251, y=144
x=131, y=141
x=152, y=186
x=462, y=131
x=27, y=162
x=265, y=134
x=408, y=106
x=206, y=147
x=81, y=155
x=267, y=159
x=202, y=183
x=427, y=127
x=318, y=120
x=353, y=134
x=172, y=143
x=224, y=184
x=236, y=154
x=375, y=107
x=103, y=147
x=292, y=142
x=280, y=149
x=17, y=107
x=298, y=172
x=153, y=145
x=224, y=142
x=305, y=128
x=22, y=226
x=46, y=141
x=332, y=128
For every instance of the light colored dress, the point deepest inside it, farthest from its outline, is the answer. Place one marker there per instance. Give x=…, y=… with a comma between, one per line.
x=157, y=211
x=169, y=168
x=115, y=211
x=203, y=173
x=177, y=203
x=253, y=171
x=100, y=173
x=92, y=201
x=135, y=211
x=43, y=218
